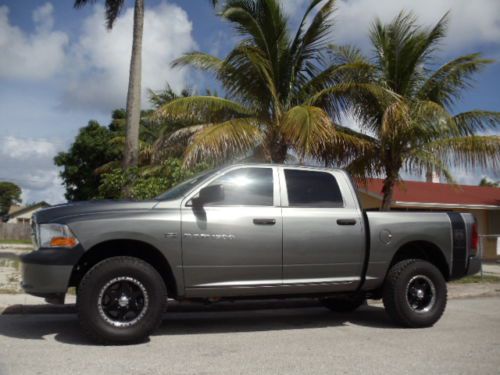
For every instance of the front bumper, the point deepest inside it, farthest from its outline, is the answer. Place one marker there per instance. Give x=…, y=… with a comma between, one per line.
x=44, y=280
x=47, y=272
x=474, y=266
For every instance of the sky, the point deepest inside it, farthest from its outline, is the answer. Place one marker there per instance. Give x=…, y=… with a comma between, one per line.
x=60, y=67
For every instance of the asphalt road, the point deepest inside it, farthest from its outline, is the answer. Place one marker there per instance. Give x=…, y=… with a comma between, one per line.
x=304, y=340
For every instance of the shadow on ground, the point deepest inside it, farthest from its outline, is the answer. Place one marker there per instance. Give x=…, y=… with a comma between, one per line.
x=199, y=319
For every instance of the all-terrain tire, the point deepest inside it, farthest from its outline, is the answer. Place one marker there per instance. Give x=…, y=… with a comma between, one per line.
x=415, y=293
x=121, y=300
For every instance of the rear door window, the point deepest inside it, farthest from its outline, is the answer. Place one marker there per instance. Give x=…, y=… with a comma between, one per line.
x=312, y=189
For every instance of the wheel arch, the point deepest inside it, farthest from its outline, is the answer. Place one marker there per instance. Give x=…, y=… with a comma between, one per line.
x=127, y=247
x=424, y=250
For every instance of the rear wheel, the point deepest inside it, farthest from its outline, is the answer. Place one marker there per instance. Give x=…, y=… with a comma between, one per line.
x=121, y=300
x=343, y=305
x=415, y=293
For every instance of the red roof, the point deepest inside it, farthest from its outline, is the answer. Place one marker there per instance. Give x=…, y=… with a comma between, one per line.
x=428, y=192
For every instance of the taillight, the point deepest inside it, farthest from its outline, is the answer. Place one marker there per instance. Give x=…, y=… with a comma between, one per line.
x=474, y=239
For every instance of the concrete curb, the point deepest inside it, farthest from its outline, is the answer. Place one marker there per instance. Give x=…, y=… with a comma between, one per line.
x=455, y=291
x=18, y=247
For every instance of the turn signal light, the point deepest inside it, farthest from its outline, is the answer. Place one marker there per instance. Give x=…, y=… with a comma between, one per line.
x=63, y=242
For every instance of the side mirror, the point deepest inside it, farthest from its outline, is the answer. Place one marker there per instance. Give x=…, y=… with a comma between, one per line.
x=210, y=194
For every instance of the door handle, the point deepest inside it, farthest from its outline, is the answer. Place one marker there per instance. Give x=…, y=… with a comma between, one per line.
x=346, y=222
x=264, y=221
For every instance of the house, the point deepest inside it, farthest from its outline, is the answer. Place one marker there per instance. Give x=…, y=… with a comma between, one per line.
x=20, y=214
x=482, y=202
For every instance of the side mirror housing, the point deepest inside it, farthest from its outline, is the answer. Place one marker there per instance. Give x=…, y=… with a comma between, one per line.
x=210, y=194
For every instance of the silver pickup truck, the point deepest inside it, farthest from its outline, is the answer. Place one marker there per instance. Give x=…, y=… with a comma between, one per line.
x=245, y=231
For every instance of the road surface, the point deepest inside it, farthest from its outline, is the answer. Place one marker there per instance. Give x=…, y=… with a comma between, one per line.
x=300, y=340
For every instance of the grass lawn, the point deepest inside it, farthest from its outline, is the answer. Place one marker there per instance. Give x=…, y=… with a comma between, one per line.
x=15, y=242
x=476, y=279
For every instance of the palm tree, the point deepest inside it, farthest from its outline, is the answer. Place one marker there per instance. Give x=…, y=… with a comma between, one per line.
x=113, y=8
x=415, y=130
x=282, y=91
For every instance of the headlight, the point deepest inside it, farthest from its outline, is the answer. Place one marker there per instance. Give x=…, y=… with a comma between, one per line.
x=56, y=235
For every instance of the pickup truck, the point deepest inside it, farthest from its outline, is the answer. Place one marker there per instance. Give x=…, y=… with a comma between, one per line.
x=245, y=231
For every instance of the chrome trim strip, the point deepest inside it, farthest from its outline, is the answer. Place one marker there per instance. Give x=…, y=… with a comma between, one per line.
x=323, y=280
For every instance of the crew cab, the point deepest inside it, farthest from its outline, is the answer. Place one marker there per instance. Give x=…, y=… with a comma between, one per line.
x=245, y=231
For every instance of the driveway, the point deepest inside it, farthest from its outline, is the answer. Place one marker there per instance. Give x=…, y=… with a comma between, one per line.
x=303, y=339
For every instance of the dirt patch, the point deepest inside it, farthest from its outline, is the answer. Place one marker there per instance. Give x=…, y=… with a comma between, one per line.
x=10, y=275
x=10, y=269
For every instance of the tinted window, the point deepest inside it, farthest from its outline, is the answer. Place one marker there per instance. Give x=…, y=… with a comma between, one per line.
x=247, y=186
x=312, y=189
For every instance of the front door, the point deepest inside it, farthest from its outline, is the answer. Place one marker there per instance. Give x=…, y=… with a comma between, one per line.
x=323, y=238
x=236, y=242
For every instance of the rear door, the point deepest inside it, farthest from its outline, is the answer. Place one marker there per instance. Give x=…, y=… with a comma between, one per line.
x=323, y=233
x=237, y=242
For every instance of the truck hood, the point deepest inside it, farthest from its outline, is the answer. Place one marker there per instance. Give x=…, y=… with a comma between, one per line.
x=54, y=213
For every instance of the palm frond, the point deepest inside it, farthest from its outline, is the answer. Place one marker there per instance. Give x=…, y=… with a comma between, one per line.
x=366, y=164
x=420, y=160
x=307, y=129
x=395, y=121
x=113, y=9
x=252, y=60
x=472, y=122
x=429, y=121
x=467, y=152
x=173, y=143
x=223, y=141
x=354, y=72
x=200, y=60
x=346, y=54
x=402, y=47
x=446, y=84
x=347, y=145
x=310, y=42
x=82, y=3
x=184, y=133
x=262, y=20
x=348, y=93
x=201, y=109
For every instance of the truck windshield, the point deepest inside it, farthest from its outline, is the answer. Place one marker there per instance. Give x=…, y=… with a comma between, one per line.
x=180, y=190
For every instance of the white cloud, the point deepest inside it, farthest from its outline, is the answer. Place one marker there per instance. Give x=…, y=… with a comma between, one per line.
x=38, y=55
x=100, y=58
x=29, y=163
x=471, y=22
x=22, y=149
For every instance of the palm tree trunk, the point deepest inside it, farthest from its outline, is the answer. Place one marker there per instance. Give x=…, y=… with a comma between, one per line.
x=275, y=149
x=391, y=176
x=279, y=153
x=388, y=191
x=131, y=154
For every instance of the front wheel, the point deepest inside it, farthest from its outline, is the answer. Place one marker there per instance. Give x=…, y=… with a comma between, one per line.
x=121, y=300
x=415, y=293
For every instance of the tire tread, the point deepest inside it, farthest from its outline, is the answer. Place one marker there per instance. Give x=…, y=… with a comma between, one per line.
x=393, y=300
x=89, y=329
